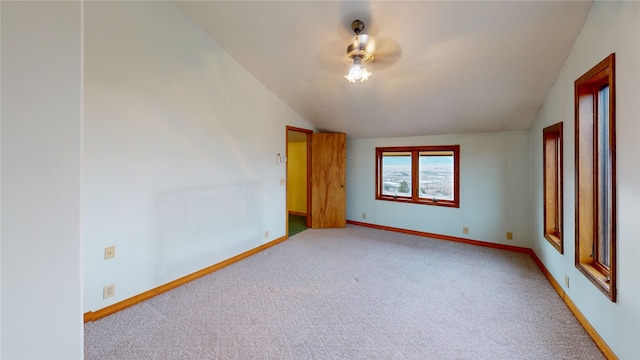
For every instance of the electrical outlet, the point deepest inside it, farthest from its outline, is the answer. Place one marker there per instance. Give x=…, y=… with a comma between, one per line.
x=465, y=230
x=364, y=215
x=566, y=281
x=266, y=234
x=109, y=252
x=282, y=181
x=108, y=291
x=509, y=235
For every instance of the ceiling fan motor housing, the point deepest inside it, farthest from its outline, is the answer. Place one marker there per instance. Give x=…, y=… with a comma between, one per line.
x=358, y=48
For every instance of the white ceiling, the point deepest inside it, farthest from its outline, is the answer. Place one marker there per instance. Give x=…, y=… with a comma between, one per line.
x=459, y=67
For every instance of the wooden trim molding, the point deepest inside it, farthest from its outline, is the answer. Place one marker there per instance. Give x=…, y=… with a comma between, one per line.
x=595, y=176
x=443, y=237
x=308, y=184
x=95, y=315
x=297, y=213
x=602, y=345
x=416, y=153
x=553, y=186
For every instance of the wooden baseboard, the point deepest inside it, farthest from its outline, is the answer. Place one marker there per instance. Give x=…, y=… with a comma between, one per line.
x=95, y=315
x=297, y=213
x=444, y=237
x=602, y=345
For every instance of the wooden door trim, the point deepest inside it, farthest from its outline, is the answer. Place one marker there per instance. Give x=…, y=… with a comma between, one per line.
x=308, y=132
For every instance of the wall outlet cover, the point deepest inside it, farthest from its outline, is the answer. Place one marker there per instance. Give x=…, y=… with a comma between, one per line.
x=109, y=252
x=108, y=291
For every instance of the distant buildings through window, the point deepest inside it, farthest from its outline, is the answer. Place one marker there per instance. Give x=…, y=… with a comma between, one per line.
x=419, y=174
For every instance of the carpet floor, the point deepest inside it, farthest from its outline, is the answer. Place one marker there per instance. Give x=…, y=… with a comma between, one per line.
x=354, y=293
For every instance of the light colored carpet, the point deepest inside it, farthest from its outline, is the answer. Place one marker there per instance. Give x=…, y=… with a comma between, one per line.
x=354, y=293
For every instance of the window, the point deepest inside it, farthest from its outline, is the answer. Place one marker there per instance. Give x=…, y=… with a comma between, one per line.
x=552, y=170
x=419, y=174
x=596, y=176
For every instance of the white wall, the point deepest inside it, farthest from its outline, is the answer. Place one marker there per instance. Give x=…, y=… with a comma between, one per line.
x=180, y=152
x=612, y=27
x=494, y=188
x=41, y=149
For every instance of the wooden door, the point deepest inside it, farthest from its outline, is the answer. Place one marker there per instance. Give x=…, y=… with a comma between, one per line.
x=328, y=180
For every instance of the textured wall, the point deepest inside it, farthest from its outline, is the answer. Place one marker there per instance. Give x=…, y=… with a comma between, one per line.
x=612, y=27
x=180, y=148
x=297, y=177
x=41, y=150
x=494, y=188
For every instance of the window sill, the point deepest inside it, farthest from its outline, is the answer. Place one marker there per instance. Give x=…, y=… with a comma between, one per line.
x=445, y=203
x=597, y=278
x=555, y=241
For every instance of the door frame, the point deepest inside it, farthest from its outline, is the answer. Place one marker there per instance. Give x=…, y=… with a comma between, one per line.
x=308, y=135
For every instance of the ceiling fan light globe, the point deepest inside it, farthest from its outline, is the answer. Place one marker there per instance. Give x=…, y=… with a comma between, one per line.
x=365, y=74
x=356, y=72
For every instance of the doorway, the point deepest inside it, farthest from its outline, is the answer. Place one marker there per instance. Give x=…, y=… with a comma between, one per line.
x=298, y=186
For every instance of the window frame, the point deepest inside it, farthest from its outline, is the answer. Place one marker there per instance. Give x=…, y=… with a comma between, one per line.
x=415, y=180
x=589, y=179
x=553, y=187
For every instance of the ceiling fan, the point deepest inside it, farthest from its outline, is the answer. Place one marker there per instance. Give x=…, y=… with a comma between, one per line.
x=374, y=52
x=359, y=53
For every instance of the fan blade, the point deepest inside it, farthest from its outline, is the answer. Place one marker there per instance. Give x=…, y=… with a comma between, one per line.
x=331, y=55
x=387, y=52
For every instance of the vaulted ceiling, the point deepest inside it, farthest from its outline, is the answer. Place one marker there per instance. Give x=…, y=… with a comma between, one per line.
x=451, y=67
